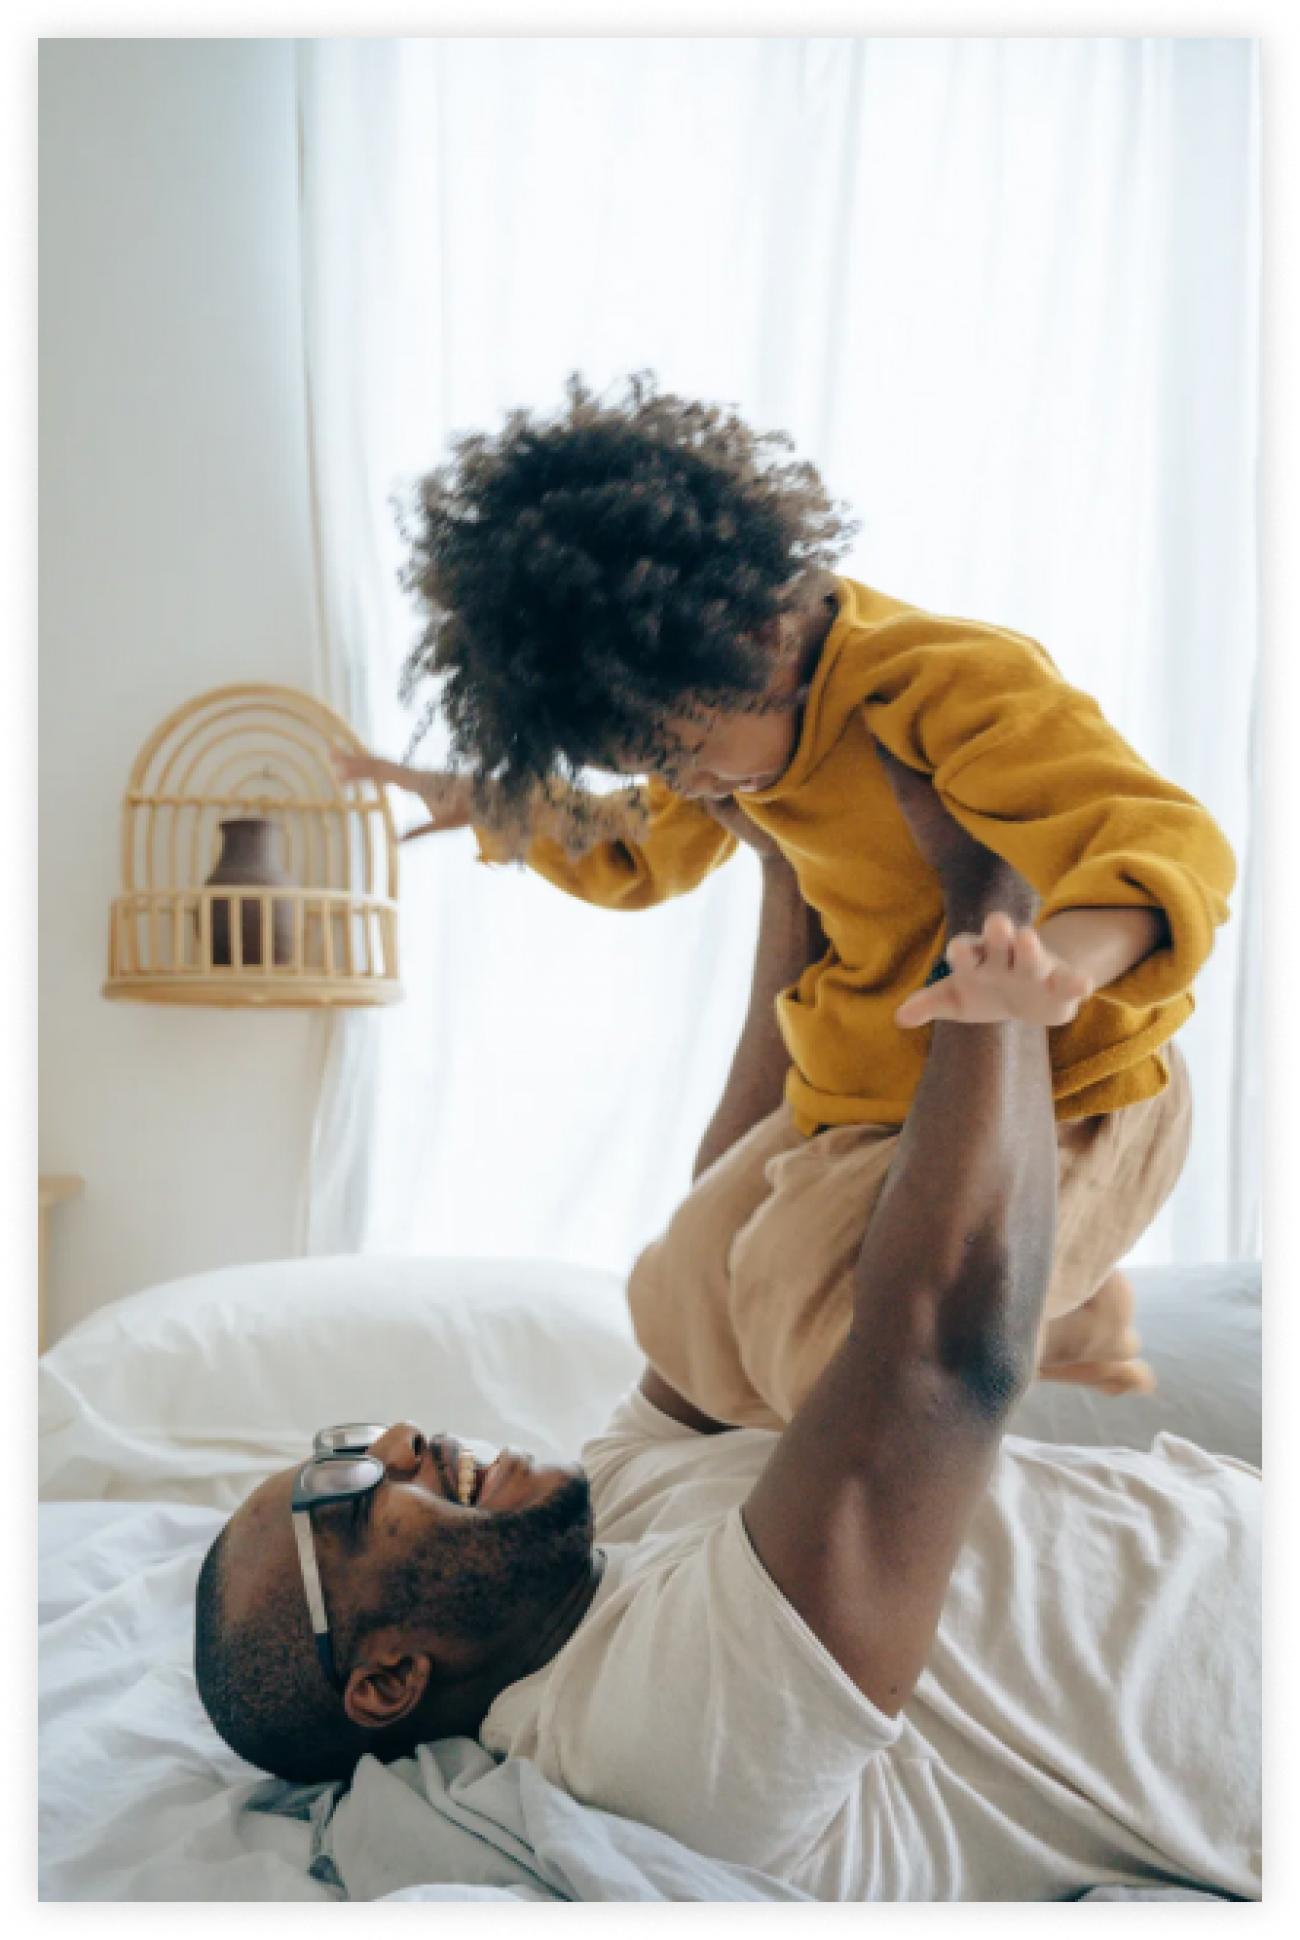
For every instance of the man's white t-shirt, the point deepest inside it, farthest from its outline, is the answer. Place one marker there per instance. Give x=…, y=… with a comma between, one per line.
x=1089, y=1714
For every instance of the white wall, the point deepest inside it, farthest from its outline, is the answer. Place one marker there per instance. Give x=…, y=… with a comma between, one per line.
x=175, y=555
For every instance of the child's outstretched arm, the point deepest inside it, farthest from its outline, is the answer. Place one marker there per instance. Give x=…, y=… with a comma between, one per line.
x=1039, y=977
x=677, y=846
x=680, y=844
x=1133, y=873
x=445, y=796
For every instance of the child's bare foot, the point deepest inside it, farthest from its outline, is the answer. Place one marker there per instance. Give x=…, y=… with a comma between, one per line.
x=1101, y=1329
x=1112, y=1377
x=1097, y=1345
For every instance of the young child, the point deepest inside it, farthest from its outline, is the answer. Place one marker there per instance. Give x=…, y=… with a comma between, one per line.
x=644, y=587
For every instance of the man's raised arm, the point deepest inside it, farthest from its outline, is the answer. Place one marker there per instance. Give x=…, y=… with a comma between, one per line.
x=861, y=1512
x=790, y=937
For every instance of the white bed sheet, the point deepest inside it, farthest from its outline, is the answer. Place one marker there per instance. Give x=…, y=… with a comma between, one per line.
x=161, y=1412
x=139, y=1800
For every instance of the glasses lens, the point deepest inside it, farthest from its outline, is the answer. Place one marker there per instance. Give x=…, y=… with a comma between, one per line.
x=352, y=1437
x=339, y=1475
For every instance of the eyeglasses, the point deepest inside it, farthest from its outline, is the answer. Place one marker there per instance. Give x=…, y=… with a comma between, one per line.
x=340, y=1470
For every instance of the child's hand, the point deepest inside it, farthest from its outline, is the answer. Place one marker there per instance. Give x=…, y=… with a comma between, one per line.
x=447, y=797
x=1002, y=975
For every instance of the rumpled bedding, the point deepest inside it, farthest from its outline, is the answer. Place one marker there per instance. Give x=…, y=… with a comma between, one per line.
x=453, y=1813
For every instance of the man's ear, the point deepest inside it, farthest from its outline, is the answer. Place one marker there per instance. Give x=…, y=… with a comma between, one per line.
x=388, y=1683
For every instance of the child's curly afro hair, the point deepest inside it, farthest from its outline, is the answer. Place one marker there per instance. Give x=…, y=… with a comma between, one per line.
x=585, y=576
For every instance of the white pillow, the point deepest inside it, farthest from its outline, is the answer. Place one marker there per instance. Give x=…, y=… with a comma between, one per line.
x=194, y=1390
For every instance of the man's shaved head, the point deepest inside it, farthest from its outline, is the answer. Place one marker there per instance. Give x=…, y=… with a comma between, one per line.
x=254, y=1661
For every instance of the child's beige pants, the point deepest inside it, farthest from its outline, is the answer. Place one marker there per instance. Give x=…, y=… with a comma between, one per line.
x=748, y=1293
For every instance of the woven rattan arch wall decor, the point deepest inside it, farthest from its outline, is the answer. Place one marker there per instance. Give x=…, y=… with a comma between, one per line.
x=250, y=873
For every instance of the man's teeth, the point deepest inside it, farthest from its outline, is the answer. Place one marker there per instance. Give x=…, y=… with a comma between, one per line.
x=466, y=1473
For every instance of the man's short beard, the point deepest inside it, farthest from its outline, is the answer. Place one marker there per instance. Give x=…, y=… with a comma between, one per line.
x=470, y=1579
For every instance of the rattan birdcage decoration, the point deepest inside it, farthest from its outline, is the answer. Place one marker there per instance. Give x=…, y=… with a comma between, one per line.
x=239, y=785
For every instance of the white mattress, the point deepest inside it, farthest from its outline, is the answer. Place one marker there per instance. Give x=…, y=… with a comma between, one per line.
x=159, y=1413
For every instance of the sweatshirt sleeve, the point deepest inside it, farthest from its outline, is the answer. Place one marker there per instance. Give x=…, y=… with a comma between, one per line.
x=1032, y=769
x=681, y=845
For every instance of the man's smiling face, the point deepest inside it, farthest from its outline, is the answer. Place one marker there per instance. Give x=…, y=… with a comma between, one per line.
x=415, y=1527
x=434, y=1603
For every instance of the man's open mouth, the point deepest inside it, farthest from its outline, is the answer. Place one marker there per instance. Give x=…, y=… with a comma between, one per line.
x=468, y=1479
x=464, y=1467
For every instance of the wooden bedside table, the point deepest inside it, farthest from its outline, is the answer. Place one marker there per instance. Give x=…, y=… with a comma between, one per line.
x=53, y=1188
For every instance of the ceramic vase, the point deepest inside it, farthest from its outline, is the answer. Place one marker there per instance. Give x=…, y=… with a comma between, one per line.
x=251, y=858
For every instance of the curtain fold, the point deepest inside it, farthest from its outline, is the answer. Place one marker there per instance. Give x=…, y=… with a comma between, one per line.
x=1002, y=292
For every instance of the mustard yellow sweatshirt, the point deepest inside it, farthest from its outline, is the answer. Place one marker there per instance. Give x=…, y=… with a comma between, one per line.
x=1030, y=767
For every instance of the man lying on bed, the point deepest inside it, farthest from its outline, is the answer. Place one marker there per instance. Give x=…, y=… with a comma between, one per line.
x=883, y=1655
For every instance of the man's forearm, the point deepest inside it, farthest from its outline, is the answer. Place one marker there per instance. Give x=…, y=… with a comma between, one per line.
x=962, y=1234
x=790, y=937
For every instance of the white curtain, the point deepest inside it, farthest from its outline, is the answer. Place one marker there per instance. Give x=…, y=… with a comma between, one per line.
x=1003, y=293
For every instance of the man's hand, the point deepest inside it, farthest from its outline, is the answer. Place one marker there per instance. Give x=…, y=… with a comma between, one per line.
x=734, y=819
x=447, y=797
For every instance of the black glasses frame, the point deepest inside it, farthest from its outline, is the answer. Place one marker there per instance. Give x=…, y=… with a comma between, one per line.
x=345, y=1446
